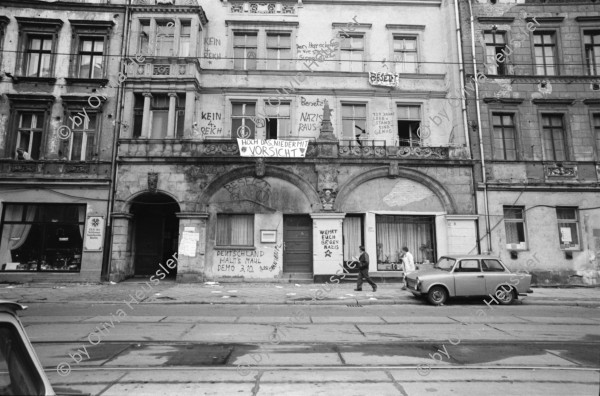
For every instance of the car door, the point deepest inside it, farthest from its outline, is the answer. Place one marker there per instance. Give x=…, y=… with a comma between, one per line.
x=495, y=275
x=468, y=278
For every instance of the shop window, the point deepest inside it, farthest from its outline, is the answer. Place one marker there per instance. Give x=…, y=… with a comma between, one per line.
x=235, y=230
x=568, y=228
x=417, y=233
x=242, y=125
x=544, y=44
x=504, y=143
x=244, y=50
x=279, y=51
x=29, y=134
x=592, y=52
x=554, y=137
x=352, y=230
x=514, y=224
x=80, y=145
x=42, y=237
x=409, y=122
x=352, y=53
x=495, y=48
x=354, y=123
x=405, y=54
x=278, y=121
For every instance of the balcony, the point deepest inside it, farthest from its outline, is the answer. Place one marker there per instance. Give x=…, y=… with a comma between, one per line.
x=166, y=67
x=166, y=2
x=330, y=149
x=52, y=169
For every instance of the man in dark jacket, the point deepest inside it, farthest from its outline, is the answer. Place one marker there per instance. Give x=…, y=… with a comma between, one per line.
x=363, y=272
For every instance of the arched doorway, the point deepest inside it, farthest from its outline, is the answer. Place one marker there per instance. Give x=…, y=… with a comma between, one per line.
x=156, y=232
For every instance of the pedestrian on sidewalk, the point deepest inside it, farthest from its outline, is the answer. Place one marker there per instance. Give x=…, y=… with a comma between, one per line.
x=408, y=262
x=363, y=272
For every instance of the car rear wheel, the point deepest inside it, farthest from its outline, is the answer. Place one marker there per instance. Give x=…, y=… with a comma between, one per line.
x=437, y=295
x=505, y=295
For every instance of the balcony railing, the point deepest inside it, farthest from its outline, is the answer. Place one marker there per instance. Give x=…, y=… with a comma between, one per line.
x=229, y=148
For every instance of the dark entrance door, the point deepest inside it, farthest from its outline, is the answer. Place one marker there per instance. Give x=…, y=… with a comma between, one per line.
x=297, y=243
x=156, y=232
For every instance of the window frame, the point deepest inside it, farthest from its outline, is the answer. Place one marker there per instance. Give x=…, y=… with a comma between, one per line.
x=576, y=221
x=355, y=140
x=420, y=120
x=86, y=29
x=416, y=51
x=513, y=115
x=32, y=27
x=501, y=46
x=565, y=135
x=280, y=61
x=341, y=50
x=555, y=33
x=595, y=114
x=589, y=31
x=244, y=116
x=521, y=245
x=73, y=111
x=230, y=245
x=20, y=103
x=267, y=118
x=247, y=49
x=92, y=54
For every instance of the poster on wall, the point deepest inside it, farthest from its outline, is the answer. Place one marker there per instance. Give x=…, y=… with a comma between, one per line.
x=187, y=246
x=565, y=235
x=384, y=79
x=94, y=234
x=273, y=148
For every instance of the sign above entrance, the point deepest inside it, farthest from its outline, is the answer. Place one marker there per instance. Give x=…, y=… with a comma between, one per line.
x=273, y=148
x=94, y=233
x=385, y=79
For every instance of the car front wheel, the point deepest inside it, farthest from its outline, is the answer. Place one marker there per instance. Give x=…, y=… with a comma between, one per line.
x=437, y=295
x=505, y=295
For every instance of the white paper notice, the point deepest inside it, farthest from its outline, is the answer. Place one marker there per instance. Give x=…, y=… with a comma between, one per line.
x=193, y=229
x=187, y=247
x=565, y=235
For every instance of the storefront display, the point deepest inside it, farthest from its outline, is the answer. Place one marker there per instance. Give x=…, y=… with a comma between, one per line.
x=42, y=237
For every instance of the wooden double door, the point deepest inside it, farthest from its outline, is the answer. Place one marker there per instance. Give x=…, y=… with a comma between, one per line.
x=297, y=244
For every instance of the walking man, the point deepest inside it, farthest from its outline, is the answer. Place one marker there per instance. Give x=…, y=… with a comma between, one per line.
x=409, y=264
x=363, y=272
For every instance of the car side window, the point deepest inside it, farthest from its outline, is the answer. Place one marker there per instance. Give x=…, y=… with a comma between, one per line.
x=492, y=266
x=18, y=374
x=468, y=266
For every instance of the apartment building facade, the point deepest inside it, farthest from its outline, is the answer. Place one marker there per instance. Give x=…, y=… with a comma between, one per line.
x=355, y=140
x=538, y=119
x=57, y=123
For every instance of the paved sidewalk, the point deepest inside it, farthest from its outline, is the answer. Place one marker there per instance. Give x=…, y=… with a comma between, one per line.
x=257, y=293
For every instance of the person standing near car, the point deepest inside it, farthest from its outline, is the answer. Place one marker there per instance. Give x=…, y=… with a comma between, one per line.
x=363, y=272
x=409, y=264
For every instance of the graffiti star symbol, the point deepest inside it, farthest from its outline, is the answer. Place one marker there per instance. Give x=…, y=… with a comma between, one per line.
x=328, y=253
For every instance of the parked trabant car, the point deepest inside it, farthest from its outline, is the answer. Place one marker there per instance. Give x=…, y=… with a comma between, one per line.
x=466, y=276
x=21, y=372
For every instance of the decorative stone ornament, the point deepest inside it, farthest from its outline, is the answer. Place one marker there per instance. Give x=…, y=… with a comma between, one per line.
x=260, y=167
x=152, y=182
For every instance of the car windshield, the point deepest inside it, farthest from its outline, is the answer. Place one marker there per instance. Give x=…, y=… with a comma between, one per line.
x=445, y=263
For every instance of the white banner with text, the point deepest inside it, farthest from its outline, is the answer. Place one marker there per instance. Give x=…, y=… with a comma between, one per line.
x=273, y=148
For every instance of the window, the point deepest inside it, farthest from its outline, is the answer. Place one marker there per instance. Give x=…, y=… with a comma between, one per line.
x=553, y=137
x=491, y=266
x=514, y=224
x=354, y=123
x=352, y=53
x=29, y=133
x=159, y=116
x=495, y=45
x=144, y=38
x=393, y=232
x=138, y=115
x=504, y=137
x=468, y=266
x=244, y=50
x=409, y=122
x=91, y=60
x=42, y=237
x=185, y=38
x=242, y=125
x=80, y=145
x=278, y=121
x=235, y=230
x=596, y=121
x=39, y=53
x=592, y=52
x=279, y=51
x=405, y=54
x=568, y=227
x=165, y=38
x=545, y=53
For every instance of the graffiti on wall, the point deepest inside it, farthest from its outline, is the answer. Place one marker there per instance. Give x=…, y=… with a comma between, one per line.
x=311, y=115
x=238, y=261
x=208, y=127
x=330, y=241
x=250, y=189
x=276, y=254
x=383, y=123
x=212, y=53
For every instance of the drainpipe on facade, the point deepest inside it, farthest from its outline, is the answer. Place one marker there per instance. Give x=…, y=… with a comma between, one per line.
x=481, y=152
x=461, y=70
x=105, y=275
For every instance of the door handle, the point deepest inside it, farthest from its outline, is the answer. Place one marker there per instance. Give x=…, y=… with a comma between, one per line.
x=480, y=276
x=283, y=245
